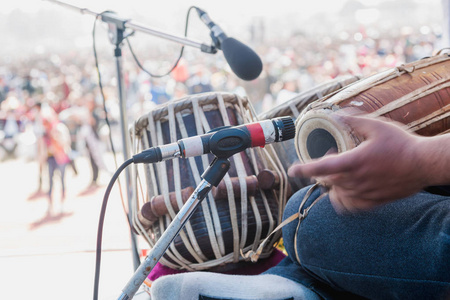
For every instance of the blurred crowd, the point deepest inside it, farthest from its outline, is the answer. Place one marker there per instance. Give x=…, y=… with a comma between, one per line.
x=52, y=109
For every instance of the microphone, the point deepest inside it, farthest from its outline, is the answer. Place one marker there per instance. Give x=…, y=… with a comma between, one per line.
x=244, y=62
x=223, y=142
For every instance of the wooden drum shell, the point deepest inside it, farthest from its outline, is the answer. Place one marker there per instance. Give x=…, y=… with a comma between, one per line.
x=415, y=94
x=285, y=151
x=220, y=228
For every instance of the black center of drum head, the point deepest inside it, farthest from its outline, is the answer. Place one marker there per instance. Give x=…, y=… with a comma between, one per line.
x=319, y=141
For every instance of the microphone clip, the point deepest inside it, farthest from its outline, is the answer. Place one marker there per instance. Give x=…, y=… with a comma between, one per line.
x=215, y=41
x=229, y=141
x=208, y=49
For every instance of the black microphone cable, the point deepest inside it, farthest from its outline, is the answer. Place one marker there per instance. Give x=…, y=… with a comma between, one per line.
x=115, y=176
x=178, y=59
x=108, y=123
x=98, y=251
x=126, y=163
x=223, y=142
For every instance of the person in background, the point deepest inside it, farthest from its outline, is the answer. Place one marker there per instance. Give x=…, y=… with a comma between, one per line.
x=39, y=130
x=57, y=143
x=89, y=132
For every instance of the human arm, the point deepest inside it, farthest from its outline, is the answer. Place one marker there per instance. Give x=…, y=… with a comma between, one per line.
x=389, y=164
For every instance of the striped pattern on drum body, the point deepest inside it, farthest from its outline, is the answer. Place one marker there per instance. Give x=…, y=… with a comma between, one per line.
x=415, y=94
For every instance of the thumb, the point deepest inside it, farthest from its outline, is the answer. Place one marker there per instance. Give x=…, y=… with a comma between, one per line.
x=363, y=127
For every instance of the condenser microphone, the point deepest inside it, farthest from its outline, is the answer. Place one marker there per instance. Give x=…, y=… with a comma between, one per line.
x=223, y=142
x=244, y=62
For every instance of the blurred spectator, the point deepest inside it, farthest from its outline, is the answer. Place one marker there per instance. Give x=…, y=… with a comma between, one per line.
x=27, y=85
x=90, y=118
x=57, y=142
x=199, y=82
x=158, y=92
x=289, y=87
x=39, y=131
x=10, y=127
x=11, y=130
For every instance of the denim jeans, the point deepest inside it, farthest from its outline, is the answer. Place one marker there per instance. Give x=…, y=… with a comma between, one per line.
x=397, y=251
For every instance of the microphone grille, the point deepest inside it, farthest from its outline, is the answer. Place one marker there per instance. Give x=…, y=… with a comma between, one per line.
x=244, y=62
x=286, y=128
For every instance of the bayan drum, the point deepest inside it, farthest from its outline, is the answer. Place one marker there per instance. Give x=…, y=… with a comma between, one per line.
x=293, y=107
x=416, y=94
x=235, y=216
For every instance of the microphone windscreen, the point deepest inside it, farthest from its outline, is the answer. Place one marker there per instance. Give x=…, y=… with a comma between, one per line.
x=244, y=62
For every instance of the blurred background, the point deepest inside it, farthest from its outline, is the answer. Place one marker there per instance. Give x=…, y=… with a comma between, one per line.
x=49, y=93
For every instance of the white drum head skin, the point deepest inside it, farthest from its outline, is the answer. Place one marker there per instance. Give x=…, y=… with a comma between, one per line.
x=317, y=132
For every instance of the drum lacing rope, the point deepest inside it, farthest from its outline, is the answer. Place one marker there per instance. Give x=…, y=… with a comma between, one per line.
x=403, y=69
x=217, y=243
x=254, y=255
x=156, y=137
x=296, y=105
x=247, y=117
x=195, y=250
x=374, y=80
x=148, y=124
x=134, y=203
x=164, y=185
x=268, y=157
x=416, y=95
x=447, y=49
x=231, y=203
x=152, y=124
x=211, y=216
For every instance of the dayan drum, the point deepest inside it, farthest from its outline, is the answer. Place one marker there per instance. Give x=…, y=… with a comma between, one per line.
x=236, y=215
x=286, y=151
x=416, y=94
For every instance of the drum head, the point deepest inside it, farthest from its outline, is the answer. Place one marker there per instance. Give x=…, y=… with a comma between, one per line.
x=319, y=133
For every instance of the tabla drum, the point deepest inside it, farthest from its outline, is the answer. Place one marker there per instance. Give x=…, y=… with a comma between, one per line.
x=294, y=107
x=416, y=94
x=235, y=216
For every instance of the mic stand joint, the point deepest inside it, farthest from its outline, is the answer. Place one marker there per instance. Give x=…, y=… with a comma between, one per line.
x=211, y=177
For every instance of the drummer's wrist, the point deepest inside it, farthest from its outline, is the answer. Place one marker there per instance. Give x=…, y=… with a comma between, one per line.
x=433, y=159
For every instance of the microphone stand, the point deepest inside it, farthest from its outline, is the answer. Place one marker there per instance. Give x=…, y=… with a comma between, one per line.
x=117, y=27
x=112, y=18
x=211, y=177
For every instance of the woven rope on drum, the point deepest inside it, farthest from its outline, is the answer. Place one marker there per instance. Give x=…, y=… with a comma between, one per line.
x=149, y=128
x=382, y=77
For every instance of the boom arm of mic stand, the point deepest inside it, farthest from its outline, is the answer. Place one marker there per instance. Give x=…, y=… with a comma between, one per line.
x=211, y=177
x=110, y=17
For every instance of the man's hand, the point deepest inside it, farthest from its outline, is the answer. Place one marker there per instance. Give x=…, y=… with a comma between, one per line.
x=385, y=167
